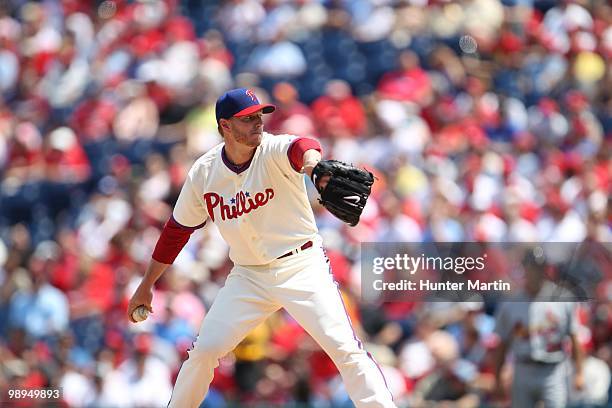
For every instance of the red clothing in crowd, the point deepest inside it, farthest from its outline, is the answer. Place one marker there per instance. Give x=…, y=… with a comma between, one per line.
x=411, y=85
x=282, y=113
x=348, y=110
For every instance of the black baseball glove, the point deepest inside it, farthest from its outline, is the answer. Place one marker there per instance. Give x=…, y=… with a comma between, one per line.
x=346, y=191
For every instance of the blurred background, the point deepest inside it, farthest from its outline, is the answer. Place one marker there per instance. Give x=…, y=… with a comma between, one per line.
x=484, y=120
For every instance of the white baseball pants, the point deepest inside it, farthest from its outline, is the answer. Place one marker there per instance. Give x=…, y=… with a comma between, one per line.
x=304, y=286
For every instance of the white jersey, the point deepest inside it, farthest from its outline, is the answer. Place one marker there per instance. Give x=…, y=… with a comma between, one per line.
x=262, y=212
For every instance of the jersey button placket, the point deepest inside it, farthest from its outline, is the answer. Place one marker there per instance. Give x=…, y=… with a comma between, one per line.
x=253, y=234
x=245, y=225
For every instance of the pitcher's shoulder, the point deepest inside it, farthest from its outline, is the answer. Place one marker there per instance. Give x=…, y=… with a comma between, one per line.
x=274, y=142
x=208, y=158
x=205, y=163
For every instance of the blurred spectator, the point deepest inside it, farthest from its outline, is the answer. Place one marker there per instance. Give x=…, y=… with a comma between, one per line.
x=291, y=116
x=338, y=113
x=65, y=159
x=409, y=83
x=450, y=379
x=139, y=119
x=239, y=19
x=40, y=309
x=596, y=384
x=280, y=59
x=250, y=354
x=142, y=380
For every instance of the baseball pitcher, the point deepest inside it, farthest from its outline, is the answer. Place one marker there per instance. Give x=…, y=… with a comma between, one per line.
x=252, y=187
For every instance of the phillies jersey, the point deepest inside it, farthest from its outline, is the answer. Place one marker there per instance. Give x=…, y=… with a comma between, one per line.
x=262, y=212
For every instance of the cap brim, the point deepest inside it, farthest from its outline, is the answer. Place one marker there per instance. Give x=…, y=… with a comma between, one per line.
x=265, y=108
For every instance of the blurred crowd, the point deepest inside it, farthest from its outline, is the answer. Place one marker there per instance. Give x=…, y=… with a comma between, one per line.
x=484, y=120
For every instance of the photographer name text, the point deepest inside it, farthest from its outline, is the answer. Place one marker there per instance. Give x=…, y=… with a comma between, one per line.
x=428, y=285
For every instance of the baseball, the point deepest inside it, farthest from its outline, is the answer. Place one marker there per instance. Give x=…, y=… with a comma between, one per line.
x=140, y=313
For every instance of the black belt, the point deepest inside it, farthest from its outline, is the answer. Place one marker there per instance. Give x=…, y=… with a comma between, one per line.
x=297, y=250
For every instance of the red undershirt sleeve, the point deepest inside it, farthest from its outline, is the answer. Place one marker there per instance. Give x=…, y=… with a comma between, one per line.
x=297, y=149
x=173, y=238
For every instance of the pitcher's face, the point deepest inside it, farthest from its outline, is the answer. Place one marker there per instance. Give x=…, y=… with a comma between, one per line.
x=246, y=130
